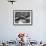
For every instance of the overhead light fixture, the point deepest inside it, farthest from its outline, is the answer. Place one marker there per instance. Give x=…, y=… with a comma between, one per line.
x=12, y=1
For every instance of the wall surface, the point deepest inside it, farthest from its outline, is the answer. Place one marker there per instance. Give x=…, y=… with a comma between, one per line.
x=37, y=31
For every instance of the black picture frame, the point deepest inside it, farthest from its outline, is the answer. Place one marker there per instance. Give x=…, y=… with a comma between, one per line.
x=15, y=12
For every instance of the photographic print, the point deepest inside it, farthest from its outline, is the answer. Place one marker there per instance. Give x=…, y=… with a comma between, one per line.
x=22, y=17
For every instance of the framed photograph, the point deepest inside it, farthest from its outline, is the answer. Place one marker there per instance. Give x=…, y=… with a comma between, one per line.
x=22, y=17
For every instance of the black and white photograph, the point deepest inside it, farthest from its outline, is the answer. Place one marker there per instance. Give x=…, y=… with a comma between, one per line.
x=22, y=17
